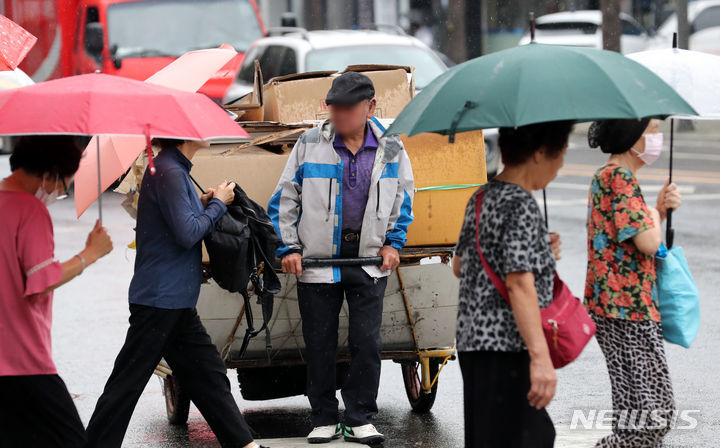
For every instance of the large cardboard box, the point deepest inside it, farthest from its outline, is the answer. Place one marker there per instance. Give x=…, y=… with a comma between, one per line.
x=446, y=175
x=299, y=97
x=255, y=169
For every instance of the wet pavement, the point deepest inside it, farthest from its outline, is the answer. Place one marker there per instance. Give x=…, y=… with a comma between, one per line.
x=90, y=320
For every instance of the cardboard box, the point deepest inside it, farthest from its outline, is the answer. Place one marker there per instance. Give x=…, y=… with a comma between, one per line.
x=249, y=107
x=297, y=97
x=255, y=169
x=301, y=96
x=446, y=175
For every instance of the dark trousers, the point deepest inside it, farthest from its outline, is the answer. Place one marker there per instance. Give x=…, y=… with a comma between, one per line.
x=36, y=411
x=497, y=412
x=320, y=305
x=179, y=337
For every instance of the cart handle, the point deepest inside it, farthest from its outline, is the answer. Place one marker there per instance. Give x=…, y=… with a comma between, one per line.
x=325, y=262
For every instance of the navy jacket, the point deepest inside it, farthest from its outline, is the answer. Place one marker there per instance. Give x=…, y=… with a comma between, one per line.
x=171, y=225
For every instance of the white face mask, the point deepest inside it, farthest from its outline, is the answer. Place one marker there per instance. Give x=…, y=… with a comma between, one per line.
x=653, y=148
x=45, y=197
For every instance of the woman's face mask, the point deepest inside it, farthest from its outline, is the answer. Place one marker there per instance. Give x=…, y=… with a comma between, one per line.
x=49, y=198
x=653, y=148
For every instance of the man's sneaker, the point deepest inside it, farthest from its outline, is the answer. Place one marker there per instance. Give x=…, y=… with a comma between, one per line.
x=324, y=434
x=366, y=434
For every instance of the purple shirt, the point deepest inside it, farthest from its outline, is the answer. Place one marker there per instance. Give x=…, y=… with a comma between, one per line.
x=356, y=179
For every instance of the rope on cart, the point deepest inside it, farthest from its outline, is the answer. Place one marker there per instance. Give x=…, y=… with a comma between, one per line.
x=448, y=187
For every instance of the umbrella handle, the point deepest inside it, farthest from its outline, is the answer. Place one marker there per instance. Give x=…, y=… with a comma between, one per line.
x=669, y=232
x=458, y=116
x=99, y=180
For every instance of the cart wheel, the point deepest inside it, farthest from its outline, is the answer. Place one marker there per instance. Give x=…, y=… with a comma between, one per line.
x=177, y=403
x=419, y=401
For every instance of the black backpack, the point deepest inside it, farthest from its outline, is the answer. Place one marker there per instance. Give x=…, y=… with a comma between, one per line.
x=242, y=248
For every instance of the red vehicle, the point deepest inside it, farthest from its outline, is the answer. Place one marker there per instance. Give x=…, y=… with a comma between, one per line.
x=132, y=38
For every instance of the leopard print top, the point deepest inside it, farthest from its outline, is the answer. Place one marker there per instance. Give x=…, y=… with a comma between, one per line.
x=514, y=238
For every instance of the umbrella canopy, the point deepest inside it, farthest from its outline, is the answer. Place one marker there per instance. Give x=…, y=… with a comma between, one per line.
x=99, y=104
x=694, y=75
x=15, y=43
x=537, y=83
x=187, y=73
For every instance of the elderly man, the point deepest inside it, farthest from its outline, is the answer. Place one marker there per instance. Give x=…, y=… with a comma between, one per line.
x=346, y=192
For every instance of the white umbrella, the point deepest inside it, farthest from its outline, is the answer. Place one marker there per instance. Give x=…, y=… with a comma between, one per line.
x=696, y=77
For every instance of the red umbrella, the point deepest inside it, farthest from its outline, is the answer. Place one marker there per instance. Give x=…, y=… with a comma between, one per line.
x=98, y=104
x=15, y=43
x=188, y=73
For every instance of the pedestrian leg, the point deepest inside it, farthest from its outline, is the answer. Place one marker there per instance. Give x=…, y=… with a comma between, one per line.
x=642, y=394
x=320, y=305
x=497, y=411
x=150, y=328
x=364, y=296
x=195, y=361
x=36, y=411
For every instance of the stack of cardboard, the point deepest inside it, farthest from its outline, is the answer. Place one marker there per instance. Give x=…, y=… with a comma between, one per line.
x=301, y=97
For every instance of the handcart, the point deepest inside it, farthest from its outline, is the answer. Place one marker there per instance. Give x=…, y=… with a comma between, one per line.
x=418, y=333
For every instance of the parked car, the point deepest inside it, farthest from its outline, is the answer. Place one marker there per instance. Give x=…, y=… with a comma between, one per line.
x=296, y=50
x=584, y=29
x=704, y=21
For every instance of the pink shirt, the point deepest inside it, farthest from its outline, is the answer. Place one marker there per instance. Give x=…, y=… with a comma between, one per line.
x=27, y=267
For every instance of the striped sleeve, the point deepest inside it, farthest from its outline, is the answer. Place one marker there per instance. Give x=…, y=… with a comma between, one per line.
x=285, y=203
x=36, y=252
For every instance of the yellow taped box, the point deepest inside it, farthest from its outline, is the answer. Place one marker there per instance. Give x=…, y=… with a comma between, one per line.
x=446, y=175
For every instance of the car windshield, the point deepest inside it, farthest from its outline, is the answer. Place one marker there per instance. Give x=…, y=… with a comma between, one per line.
x=427, y=65
x=567, y=27
x=173, y=27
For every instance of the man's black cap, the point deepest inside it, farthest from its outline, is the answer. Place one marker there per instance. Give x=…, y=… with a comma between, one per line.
x=350, y=88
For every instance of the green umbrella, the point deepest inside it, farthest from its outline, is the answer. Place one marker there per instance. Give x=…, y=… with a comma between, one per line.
x=537, y=83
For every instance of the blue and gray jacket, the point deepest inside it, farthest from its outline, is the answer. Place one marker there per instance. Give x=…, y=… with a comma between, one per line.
x=306, y=206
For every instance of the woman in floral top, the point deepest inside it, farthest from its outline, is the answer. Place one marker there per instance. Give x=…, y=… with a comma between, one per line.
x=620, y=292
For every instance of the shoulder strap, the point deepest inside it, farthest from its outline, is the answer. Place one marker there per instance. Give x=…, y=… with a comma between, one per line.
x=497, y=282
x=196, y=183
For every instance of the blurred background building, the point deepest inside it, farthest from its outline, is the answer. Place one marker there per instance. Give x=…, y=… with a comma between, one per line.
x=461, y=29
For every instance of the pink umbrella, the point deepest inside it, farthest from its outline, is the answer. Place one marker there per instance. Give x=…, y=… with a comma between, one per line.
x=188, y=73
x=15, y=43
x=99, y=104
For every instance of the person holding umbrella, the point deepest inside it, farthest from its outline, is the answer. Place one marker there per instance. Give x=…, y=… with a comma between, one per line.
x=36, y=409
x=172, y=221
x=624, y=233
x=508, y=376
